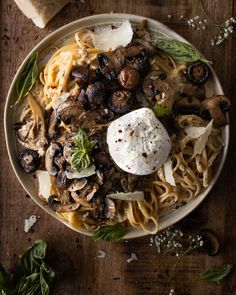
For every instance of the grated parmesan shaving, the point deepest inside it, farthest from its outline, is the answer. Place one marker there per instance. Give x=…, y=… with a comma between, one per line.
x=202, y=133
x=111, y=39
x=44, y=180
x=30, y=222
x=101, y=254
x=132, y=258
x=130, y=196
x=168, y=172
x=72, y=174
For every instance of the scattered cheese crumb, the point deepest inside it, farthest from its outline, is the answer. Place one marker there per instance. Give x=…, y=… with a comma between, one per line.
x=133, y=257
x=30, y=222
x=101, y=254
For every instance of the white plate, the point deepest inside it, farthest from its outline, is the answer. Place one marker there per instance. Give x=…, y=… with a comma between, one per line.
x=27, y=180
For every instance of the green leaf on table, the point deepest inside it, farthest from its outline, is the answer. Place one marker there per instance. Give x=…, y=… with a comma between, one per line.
x=160, y=111
x=216, y=274
x=29, y=285
x=179, y=50
x=27, y=77
x=80, y=158
x=6, y=286
x=30, y=260
x=110, y=233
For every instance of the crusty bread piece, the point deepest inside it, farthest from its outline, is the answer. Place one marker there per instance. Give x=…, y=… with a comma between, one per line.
x=41, y=11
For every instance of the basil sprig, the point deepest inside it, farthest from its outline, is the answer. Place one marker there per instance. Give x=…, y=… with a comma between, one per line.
x=216, y=274
x=27, y=78
x=37, y=277
x=80, y=158
x=179, y=50
x=110, y=233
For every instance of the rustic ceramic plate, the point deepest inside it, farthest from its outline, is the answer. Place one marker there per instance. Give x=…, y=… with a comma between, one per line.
x=28, y=182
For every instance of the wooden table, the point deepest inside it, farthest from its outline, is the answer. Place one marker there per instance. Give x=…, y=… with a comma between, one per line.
x=76, y=255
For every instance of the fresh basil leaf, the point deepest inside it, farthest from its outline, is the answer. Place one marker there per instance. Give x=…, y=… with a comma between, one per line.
x=27, y=78
x=110, y=233
x=80, y=158
x=179, y=50
x=216, y=274
x=160, y=111
x=47, y=278
x=29, y=285
x=30, y=261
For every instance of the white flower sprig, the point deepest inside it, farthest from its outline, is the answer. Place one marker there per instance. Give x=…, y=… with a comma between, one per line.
x=224, y=30
x=174, y=241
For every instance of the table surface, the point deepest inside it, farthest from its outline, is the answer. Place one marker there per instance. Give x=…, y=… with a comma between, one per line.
x=76, y=255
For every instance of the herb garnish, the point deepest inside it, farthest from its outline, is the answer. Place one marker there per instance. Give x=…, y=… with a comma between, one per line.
x=160, y=111
x=27, y=78
x=110, y=233
x=179, y=50
x=216, y=274
x=80, y=158
x=37, y=277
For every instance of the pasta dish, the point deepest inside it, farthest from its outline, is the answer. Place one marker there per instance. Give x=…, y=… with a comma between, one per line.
x=117, y=128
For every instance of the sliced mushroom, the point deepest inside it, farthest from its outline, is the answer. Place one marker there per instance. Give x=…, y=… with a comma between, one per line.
x=29, y=160
x=60, y=208
x=111, y=209
x=128, y=78
x=69, y=112
x=61, y=181
x=53, y=150
x=89, y=219
x=77, y=184
x=198, y=72
x=216, y=107
x=187, y=105
x=188, y=89
x=150, y=86
x=86, y=195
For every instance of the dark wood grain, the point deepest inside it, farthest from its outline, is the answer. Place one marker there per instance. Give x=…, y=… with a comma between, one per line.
x=75, y=254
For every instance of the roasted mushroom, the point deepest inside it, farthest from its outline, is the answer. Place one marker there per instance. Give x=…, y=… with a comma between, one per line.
x=84, y=75
x=29, y=160
x=69, y=112
x=61, y=181
x=140, y=63
x=86, y=194
x=77, y=184
x=121, y=101
x=106, y=66
x=150, y=85
x=216, y=107
x=59, y=207
x=53, y=150
x=210, y=242
x=128, y=78
x=187, y=105
x=198, y=73
x=96, y=93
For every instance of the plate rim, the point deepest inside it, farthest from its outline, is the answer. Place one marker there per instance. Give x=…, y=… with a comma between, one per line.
x=99, y=19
